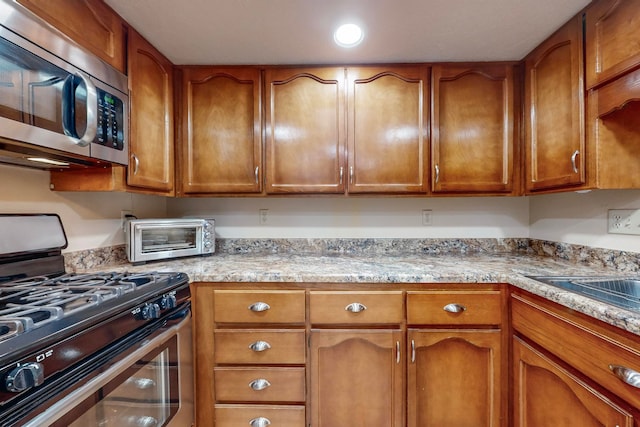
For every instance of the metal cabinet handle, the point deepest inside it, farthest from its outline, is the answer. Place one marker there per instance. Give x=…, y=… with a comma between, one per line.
x=259, y=384
x=413, y=351
x=136, y=164
x=350, y=174
x=437, y=173
x=355, y=307
x=573, y=161
x=397, y=352
x=454, y=308
x=259, y=346
x=260, y=422
x=259, y=306
x=256, y=174
x=341, y=174
x=627, y=375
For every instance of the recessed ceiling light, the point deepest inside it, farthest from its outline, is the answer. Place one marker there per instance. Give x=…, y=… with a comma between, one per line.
x=348, y=35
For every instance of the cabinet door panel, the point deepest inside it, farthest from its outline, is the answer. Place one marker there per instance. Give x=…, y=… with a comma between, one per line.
x=151, y=129
x=455, y=378
x=612, y=39
x=473, y=128
x=221, y=147
x=356, y=375
x=554, y=122
x=305, y=130
x=91, y=23
x=548, y=395
x=387, y=129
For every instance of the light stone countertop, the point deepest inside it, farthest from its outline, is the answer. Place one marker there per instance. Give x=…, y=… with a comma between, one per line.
x=396, y=269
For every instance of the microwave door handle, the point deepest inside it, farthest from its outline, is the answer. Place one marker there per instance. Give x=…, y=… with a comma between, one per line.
x=69, y=109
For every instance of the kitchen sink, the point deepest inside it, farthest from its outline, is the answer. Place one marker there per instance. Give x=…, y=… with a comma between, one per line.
x=621, y=292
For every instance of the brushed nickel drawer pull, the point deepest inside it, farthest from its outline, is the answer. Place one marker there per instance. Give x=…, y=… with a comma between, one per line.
x=259, y=306
x=573, y=161
x=259, y=384
x=627, y=375
x=260, y=422
x=257, y=174
x=413, y=351
x=355, y=307
x=259, y=346
x=341, y=174
x=454, y=308
x=397, y=352
x=437, y=168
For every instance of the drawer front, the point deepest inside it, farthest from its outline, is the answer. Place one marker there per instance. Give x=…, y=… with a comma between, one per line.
x=270, y=384
x=239, y=306
x=454, y=308
x=578, y=345
x=251, y=415
x=255, y=347
x=383, y=307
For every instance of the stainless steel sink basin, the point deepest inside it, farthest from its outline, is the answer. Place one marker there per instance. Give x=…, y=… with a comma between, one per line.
x=621, y=292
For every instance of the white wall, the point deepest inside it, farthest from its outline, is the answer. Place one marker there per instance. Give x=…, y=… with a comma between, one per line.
x=91, y=220
x=340, y=217
x=581, y=219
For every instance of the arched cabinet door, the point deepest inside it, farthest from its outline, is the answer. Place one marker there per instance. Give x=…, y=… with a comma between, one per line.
x=546, y=394
x=221, y=147
x=151, y=141
x=555, y=150
x=305, y=132
x=473, y=129
x=387, y=125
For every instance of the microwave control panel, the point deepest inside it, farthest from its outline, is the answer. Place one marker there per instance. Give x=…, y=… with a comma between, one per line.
x=110, y=121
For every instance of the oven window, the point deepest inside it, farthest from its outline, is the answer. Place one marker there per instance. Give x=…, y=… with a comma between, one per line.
x=162, y=239
x=145, y=395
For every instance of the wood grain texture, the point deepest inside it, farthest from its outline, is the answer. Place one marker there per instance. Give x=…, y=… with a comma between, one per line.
x=554, y=112
x=612, y=39
x=232, y=306
x=481, y=307
x=328, y=307
x=241, y=415
x=285, y=346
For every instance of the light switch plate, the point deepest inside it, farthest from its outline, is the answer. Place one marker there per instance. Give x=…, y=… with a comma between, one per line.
x=624, y=221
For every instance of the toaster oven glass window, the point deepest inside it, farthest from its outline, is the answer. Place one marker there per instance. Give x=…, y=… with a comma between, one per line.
x=163, y=239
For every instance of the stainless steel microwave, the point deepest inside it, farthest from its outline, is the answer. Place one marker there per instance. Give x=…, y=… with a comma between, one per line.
x=60, y=106
x=155, y=239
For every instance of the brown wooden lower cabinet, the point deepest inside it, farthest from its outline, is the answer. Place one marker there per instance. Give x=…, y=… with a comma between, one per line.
x=455, y=378
x=259, y=415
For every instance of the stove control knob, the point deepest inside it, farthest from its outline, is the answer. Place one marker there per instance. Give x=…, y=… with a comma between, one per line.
x=24, y=377
x=168, y=302
x=150, y=311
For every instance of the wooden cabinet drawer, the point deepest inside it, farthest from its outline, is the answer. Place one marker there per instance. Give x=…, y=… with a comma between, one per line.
x=590, y=348
x=454, y=308
x=375, y=307
x=242, y=415
x=279, y=384
x=237, y=306
x=259, y=346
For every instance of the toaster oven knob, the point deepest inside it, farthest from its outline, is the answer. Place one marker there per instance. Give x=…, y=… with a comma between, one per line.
x=24, y=377
x=150, y=311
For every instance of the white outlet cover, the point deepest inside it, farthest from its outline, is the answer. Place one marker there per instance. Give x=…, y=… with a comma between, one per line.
x=623, y=221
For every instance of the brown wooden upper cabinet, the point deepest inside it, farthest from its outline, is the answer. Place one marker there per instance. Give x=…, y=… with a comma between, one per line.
x=151, y=162
x=472, y=140
x=387, y=126
x=91, y=23
x=555, y=153
x=612, y=39
x=305, y=130
x=221, y=138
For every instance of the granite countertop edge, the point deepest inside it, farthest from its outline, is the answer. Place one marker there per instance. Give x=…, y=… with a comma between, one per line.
x=394, y=270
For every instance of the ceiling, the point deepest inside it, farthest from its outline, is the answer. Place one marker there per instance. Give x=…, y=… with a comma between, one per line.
x=301, y=31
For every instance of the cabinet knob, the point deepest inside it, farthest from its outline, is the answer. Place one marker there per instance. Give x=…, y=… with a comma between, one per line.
x=259, y=346
x=454, y=308
x=260, y=422
x=355, y=307
x=259, y=384
x=629, y=376
x=259, y=306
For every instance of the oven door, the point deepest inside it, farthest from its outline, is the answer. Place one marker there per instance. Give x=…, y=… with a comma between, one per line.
x=151, y=386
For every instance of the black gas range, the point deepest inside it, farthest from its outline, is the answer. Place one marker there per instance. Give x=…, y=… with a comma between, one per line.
x=56, y=328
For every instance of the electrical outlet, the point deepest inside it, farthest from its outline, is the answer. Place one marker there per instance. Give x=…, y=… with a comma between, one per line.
x=263, y=216
x=427, y=217
x=124, y=214
x=624, y=221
